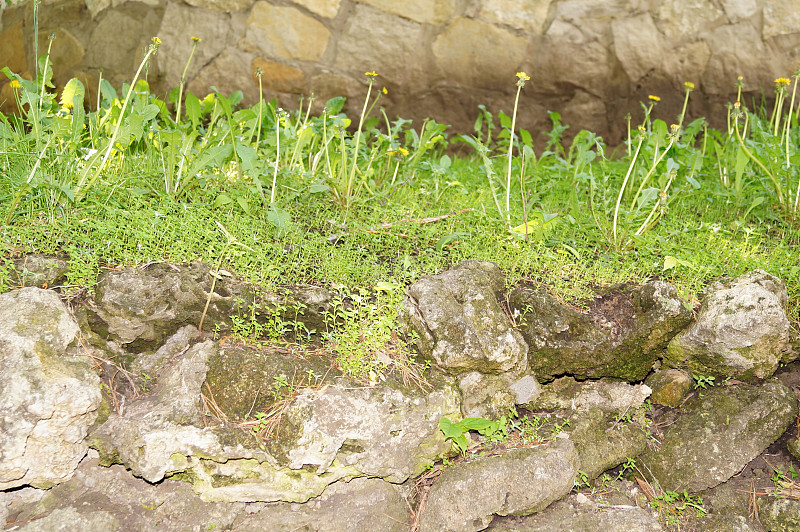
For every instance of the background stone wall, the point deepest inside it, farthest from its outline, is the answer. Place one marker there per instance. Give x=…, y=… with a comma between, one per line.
x=591, y=60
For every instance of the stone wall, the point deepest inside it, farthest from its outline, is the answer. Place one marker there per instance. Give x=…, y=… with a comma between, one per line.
x=591, y=60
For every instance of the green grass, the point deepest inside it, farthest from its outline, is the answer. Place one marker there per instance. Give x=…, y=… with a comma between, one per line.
x=313, y=200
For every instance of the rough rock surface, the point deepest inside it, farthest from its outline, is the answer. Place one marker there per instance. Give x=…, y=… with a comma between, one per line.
x=361, y=504
x=327, y=434
x=578, y=513
x=48, y=400
x=622, y=335
x=670, y=387
x=609, y=396
x=460, y=324
x=741, y=330
x=717, y=434
x=516, y=482
x=779, y=515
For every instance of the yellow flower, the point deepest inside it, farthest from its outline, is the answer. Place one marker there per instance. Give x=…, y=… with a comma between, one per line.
x=675, y=129
x=641, y=129
x=383, y=90
x=402, y=151
x=156, y=41
x=15, y=84
x=372, y=74
x=782, y=81
x=654, y=98
x=689, y=85
x=197, y=39
x=523, y=76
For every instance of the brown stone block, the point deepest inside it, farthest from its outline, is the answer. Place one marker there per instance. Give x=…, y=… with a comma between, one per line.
x=12, y=48
x=425, y=11
x=285, y=32
x=229, y=72
x=530, y=15
x=387, y=44
x=279, y=77
x=66, y=52
x=323, y=8
x=476, y=53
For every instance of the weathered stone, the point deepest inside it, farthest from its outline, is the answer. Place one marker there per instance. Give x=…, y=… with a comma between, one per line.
x=216, y=31
x=517, y=482
x=228, y=6
x=96, y=7
x=118, y=39
x=12, y=48
x=360, y=504
x=609, y=396
x=670, y=387
x=794, y=447
x=486, y=396
x=323, y=8
x=148, y=305
x=230, y=71
x=66, y=53
x=681, y=20
x=741, y=330
x=279, y=77
x=242, y=379
x=48, y=400
x=781, y=17
x=779, y=514
x=384, y=43
x=126, y=502
x=423, y=11
x=688, y=62
x=638, y=45
x=460, y=323
x=11, y=501
x=587, y=109
x=285, y=32
x=622, y=335
x=38, y=270
x=477, y=53
x=577, y=513
x=717, y=434
x=603, y=443
x=325, y=435
x=739, y=9
x=528, y=15
x=737, y=50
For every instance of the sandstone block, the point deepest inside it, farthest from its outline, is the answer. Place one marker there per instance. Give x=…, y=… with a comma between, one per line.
x=214, y=29
x=12, y=48
x=279, y=77
x=230, y=71
x=638, y=45
x=679, y=19
x=228, y=6
x=323, y=8
x=528, y=15
x=737, y=49
x=66, y=53
x=387, y=44
x=781, y=17
x=285, y=32
x=739, y=9
x=425, y=11
x=118, y=39
x=477, y=53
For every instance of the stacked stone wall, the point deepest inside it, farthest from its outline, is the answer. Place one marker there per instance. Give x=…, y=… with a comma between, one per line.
x=591, y=60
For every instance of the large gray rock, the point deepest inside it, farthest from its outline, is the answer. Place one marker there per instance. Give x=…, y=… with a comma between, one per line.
x=326, y=434
x=622, y=335
x=717, y=434
x=741, y=330
x=460, y=324
x=578, y=513
x=110, y=499
x=778, y=514
x=48, y=400
x=607, y=395
x=361, y=504
x=517, y=482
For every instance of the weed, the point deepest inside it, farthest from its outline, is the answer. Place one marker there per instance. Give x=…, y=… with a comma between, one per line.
x=703, y=381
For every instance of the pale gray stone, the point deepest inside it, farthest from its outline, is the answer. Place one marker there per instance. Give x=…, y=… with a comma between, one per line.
x=48, y=400
x=517, y=482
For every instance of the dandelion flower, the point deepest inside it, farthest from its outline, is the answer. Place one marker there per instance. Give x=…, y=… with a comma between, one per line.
x=196, y=39
x=383, y=90
x=654, y=98
x=156, y=41
x=782, y=81
x=689, y=85
x=15, y=84
x=372, y=74
x=523, y=76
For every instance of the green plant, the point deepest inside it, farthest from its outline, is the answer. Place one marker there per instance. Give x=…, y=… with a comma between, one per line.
x=457, y=432
x=671, y=505
x=703, y=381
